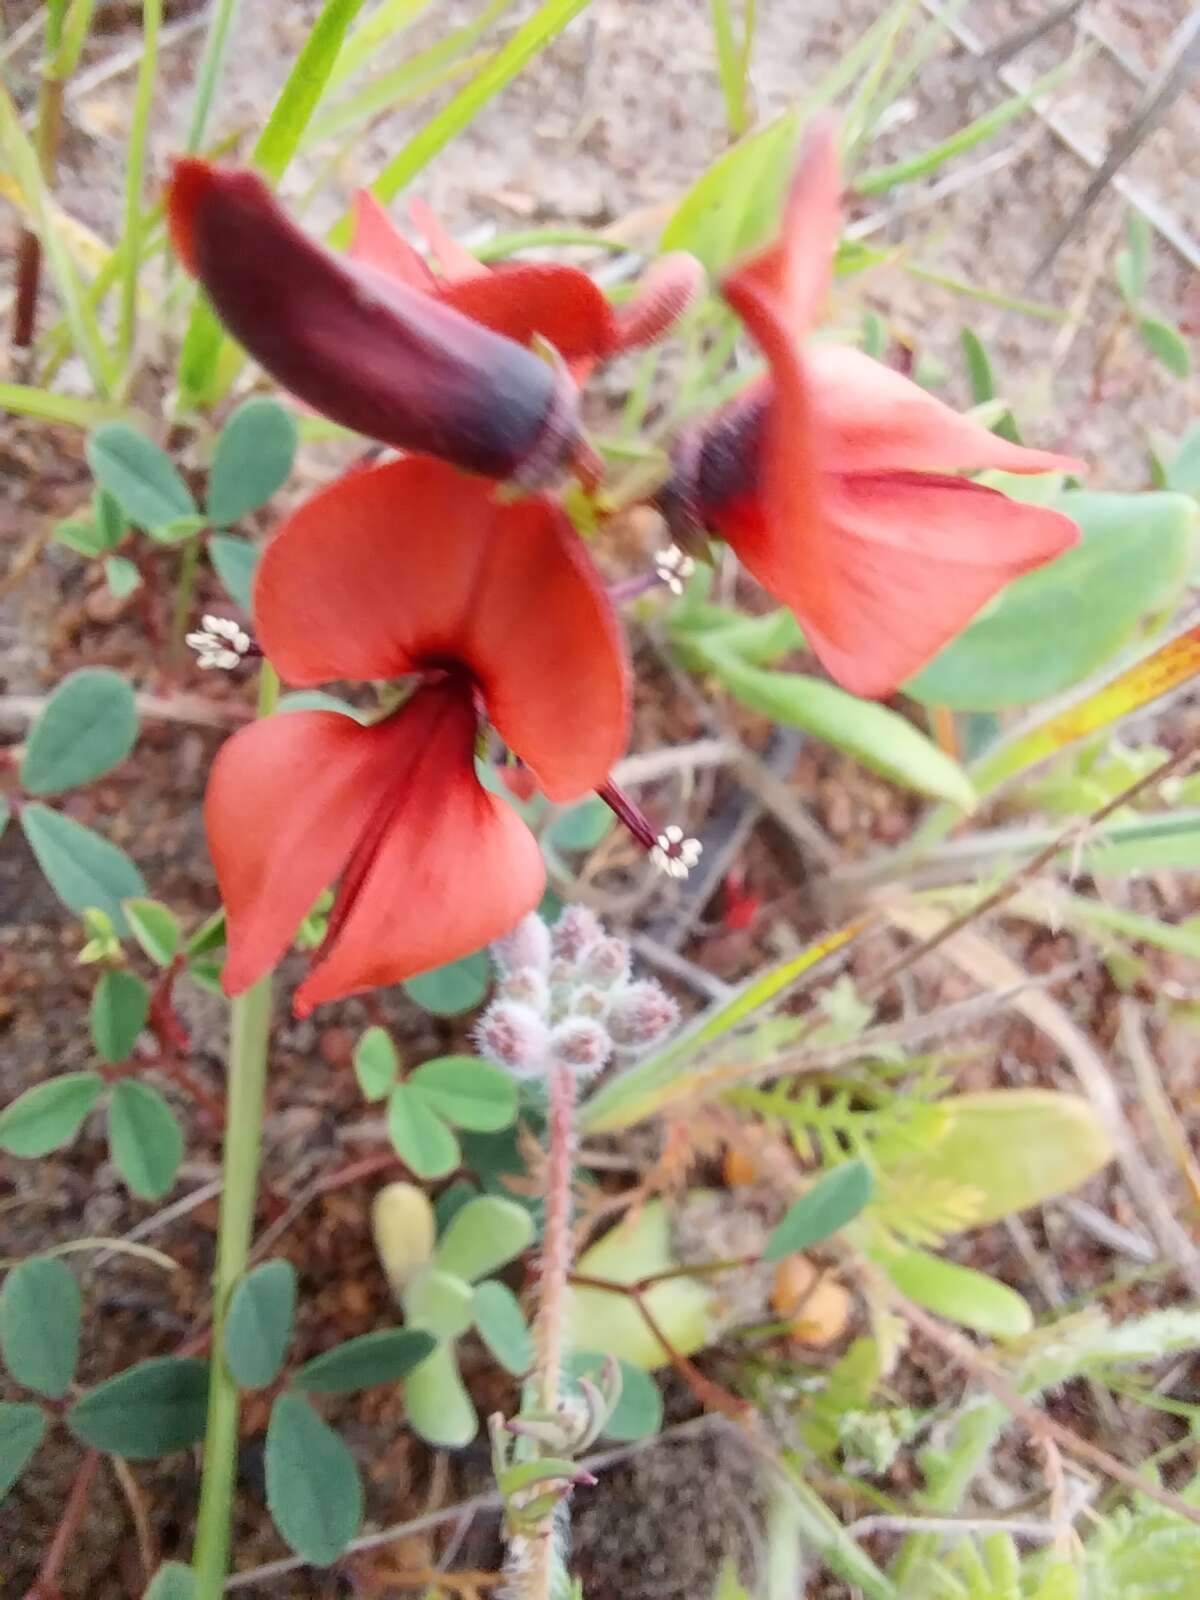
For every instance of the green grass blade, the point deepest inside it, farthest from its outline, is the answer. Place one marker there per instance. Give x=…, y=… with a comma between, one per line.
x=730, y=66
x=883, y=179
x=209, y=73
x=26, y=400
x=868, y=103
x=372, y=35
x=546, y=23
x=134, y=174
x=71, y=39
x=22, y=162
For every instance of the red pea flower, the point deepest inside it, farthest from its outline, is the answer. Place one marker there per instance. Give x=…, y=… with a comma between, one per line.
x=831, y=477
x=364, y=347
x=528, y=299
x=495, y=607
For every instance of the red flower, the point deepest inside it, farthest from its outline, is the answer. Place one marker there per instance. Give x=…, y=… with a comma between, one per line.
x=531, y=298
x=830, y=477
x=366, y=348
x=410, y=568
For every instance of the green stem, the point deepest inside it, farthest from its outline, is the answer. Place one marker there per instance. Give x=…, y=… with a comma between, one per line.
x=250, y=1023
x=209, y=73
x=134, y=172
x=185, y=588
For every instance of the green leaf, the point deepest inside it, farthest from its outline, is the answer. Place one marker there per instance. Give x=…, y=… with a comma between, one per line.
x=209, y=936
x=1012, y=1148
x=380, y=1357
x=482, y=1236
x=446, y=991
x=1131, y=264
x=84, y=870
x=1166, y=344
x=501, y=1325
x=736, y=204
x=314, y=1492
x=583, y=826
x=85, y=538
x=376, y=1063
x=467, y=1092
x=959, y=1293
x=179, y=529
x=979, y=368
x=149, y=1410
x=49, y=1114
x=834, y=1200
x=39, y=1325
x=155, y=927
x=319, y=700
x=236, y=561
x=140, y=476
x=87, y=727
x=22, y=1429
x=144, y=1137
x=121, y=576
x=639, y=1412
x=435, y=1402
x=881, y=739
x=259, y=1324
x=1183, y=473
x=439, y=1302
x=172, y=1581
x=420, y=1137
x=1051, y=628
x=254, y=457
x=25, y=400
x=120, y=1005
x=110, y=519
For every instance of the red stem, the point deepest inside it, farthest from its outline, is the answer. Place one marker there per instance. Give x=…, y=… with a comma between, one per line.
x=45, y=1585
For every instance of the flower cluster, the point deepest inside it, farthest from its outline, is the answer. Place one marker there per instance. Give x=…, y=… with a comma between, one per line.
x=456, y=569
x=566, y=998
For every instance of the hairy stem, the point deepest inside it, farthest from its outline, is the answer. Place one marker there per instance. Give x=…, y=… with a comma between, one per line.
x=250, y=1020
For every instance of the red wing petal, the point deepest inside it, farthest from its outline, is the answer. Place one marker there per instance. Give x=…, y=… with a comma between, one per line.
x=452, y=868
x=875, y=420
x=455, y=262
x=377, y=242
x=907, y=560
x=286, y=802
x=412, y=564
x=560, y=303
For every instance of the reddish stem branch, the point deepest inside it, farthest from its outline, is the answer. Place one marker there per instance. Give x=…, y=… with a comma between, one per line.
x=45, y=1585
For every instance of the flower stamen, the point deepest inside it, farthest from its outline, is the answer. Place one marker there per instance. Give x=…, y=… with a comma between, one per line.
x=673, y=567
x=669, y=851
x=221, y=644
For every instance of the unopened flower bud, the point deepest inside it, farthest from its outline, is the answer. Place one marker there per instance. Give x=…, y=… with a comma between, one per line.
x=606, y=964
x=575, y=932
x=528, y=987
x=526, y=945
x=369, y=352
x=581, y=1044
x=514, y=1036
x=589, y=1003
x=641, y=1014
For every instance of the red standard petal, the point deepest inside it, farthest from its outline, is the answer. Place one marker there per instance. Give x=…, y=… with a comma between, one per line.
x=560, y=304
x=875, y=420
x=359, y=346
x=455, y=262
x=905, y=562
x=444, y=868
x=377, y=242
x=412, y=565
x=286, y=802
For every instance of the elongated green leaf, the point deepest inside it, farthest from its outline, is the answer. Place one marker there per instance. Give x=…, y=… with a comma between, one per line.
x=502, y=1327
x=259, y=1324
x=149, y=1410
x=120, y=1005
x=236, y=561
x=1166, y=344
x=24, y=400
x=420, y=1138
x=84, y=870
x=255, y=452
x=1053, y=627
x=155, y=927
x=881, y=739
x=439, y=1302
x=110, y=519
x=145, y=1138
x=959, y=1293
x=121, y=576
x=979, y=368
x=314, y=1492
x=140, y=476
x=22, y=1429
x=467, y=1092
x=482, y=1236
x=376, y=1063
x=83, y=537
x=172, y=1581
x=87, y=727
x=447, y=991
x=639, y=1412
x=436, y=1404
x=40, y=1308
x=832, y=1202
x=735, y=205
x=1183, y=471
x=372, y=35
x=49, y=1114
x=381, y=1357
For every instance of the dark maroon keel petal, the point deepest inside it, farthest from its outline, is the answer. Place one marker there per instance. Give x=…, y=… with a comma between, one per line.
x=364, y=350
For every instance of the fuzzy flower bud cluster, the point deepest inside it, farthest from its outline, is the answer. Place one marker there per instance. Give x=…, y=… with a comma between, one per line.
x=567, y=998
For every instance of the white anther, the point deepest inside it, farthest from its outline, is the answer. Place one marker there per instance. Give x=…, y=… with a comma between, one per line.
x=673, y=567
x=220, y=643
x=675, y=855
